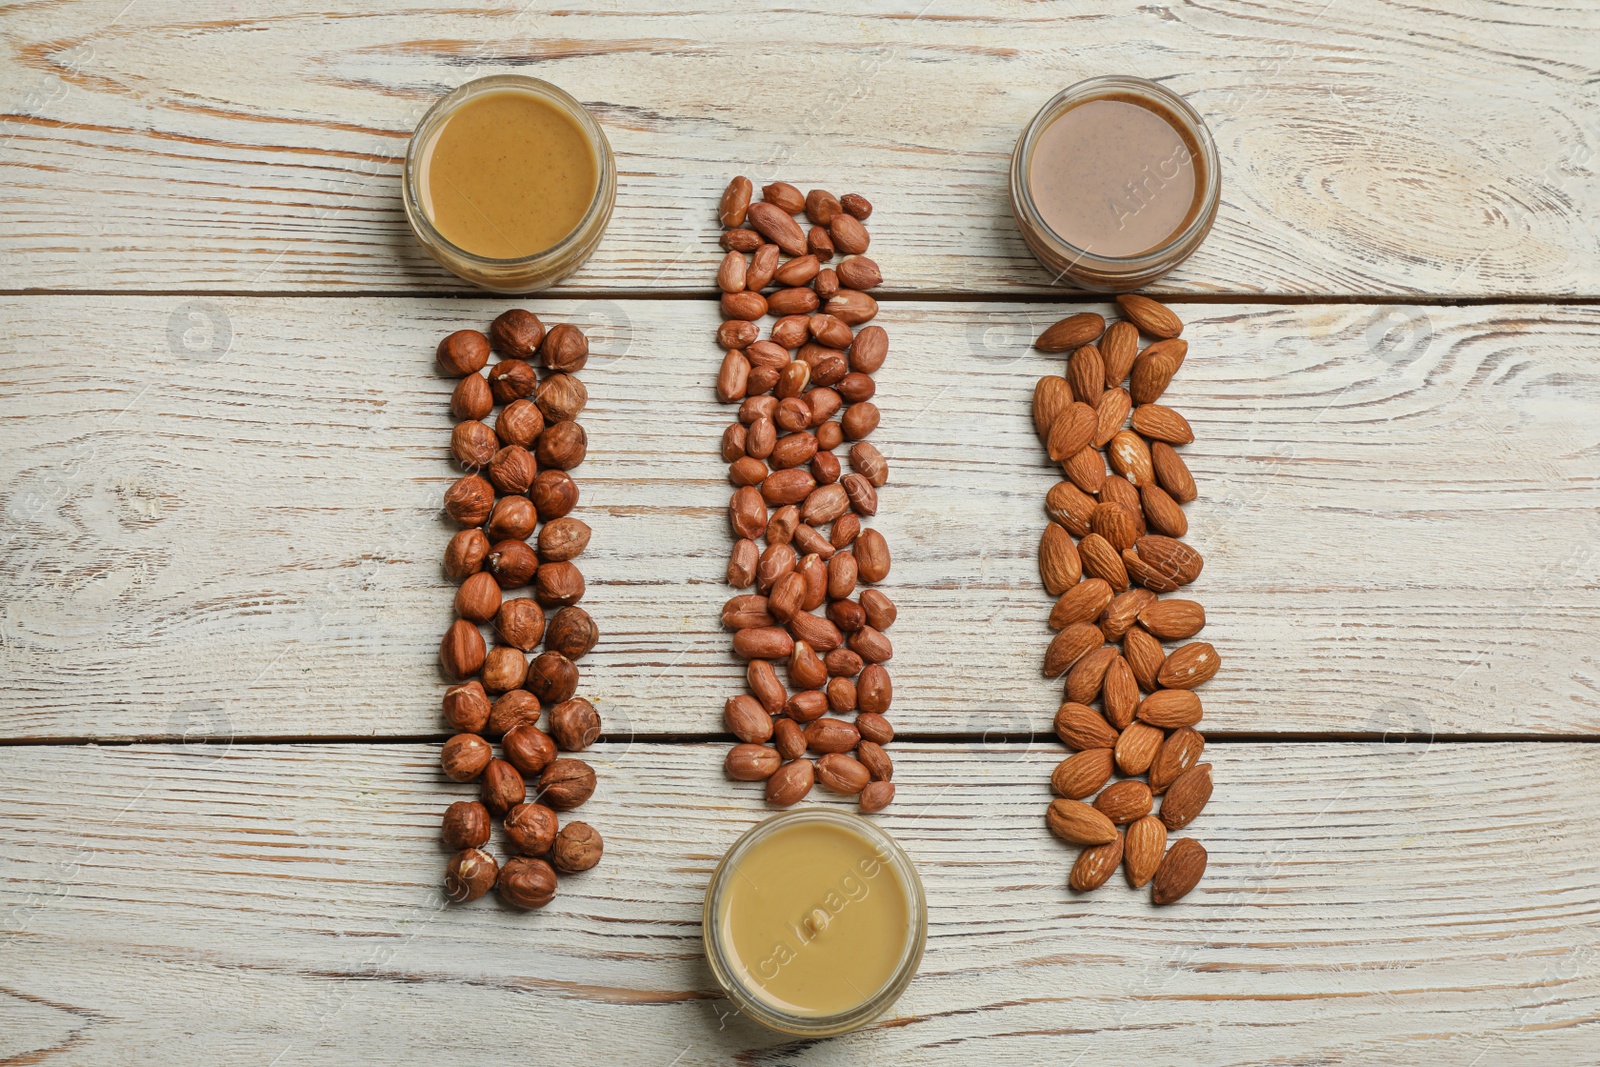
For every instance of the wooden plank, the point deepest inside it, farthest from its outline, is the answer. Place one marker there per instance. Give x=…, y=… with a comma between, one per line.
x=1399, y=537
x=1366, y=146
x=280, y=904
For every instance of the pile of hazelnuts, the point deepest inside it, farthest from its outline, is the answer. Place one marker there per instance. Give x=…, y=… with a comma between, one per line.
x=515, y=482
x=801, y=546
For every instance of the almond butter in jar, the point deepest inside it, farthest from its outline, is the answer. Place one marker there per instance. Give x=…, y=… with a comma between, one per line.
x=1114, y=183
x=509, y=183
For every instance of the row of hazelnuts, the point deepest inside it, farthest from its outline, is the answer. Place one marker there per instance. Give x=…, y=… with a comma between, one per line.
x=514, y=504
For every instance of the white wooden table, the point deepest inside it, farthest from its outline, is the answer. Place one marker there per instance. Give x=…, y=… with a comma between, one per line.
x=223, y=447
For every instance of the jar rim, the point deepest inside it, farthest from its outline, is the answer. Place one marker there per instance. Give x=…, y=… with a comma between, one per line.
x=432, y=123
x=762, y=1010
x=1166, y=103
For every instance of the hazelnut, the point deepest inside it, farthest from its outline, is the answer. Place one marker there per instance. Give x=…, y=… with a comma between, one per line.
x=577, y=847
x=464, y=757
x=466, y=825
x=520, y=623
x=531, y=828
x=470, y=874
x=512, y=379
x=526, y=883
x=478, y=598
x=552, y=677
x=463, y=352
x=466, y=707
x=512, y=563
x=461, y=651
x=554, y=494
x=464, y=555
x=516, y=333
x=512, y=469
x=504, y=669
x=502, y=787
x=528, y=748
x=556, y=584
x=565, y=348
x=512, y=710
x=473, y=444
x=561, y=397
x=519, y=423
x=562, y=445
x=574, y=724
x=468, y=501
x=571, y=632
x=471, y=398
x=566, y=783
x=513, y=519
x=563, y=539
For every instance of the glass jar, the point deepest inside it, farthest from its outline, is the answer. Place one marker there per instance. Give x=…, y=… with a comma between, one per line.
x=537, y=270
x=1118, y=273
x=855, y=880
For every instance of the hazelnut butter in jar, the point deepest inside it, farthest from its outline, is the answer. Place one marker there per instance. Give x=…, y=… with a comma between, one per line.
x=509, y=183
x=814, y=922
x=1114, y=183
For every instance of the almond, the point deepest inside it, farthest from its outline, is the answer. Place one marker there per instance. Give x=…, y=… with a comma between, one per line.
x=778, y=227
x=1072, y=332
x=1186, y=796
x=1179, y=872
x=1170, y=709
x=1172, y=474
x=1076, y=822
x=1180, y=751
x=1144, y=843
x=1083, y=681
x=1145, y=656
x=1173, y=619
x=1161, y=512
x=1123, y=612
x=1086, y=470
x=1086, y=373
x=1151, y=316
x=1082, y=773
x=1051, y=396
x=1136, y=749
x=1153, y=370
x=1118, y=348
x=1070, y=506
x=1118, y=490
x=1148, y=575
x=1101, y=560
x=1116, y=523
x=1080, y=727
x=1189, y=666
x=1094, y=865
x=1130, y=457
x=1123, y=802
x=1067, y=648
x=1059, y=566
x=1083, y=602
x=1119, y=693
x=1171, y=556
x=1161, y=423
x=1110, y=413
x=1072, y=432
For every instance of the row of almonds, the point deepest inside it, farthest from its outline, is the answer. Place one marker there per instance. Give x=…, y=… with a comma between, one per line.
x=1112, y=547
x=801, y=547
x=513, y=558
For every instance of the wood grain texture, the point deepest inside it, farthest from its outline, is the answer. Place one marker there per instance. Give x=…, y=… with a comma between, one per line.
x=247, y=544
x=1366, y=146
x=1436, y=905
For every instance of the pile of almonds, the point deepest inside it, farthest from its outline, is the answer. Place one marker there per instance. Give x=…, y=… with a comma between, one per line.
x=1128, y=524
x=516, y=482
x=802, y=392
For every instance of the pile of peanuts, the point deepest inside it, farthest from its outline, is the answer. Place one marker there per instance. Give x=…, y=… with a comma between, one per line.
x=802, y=392
x=516, y=481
